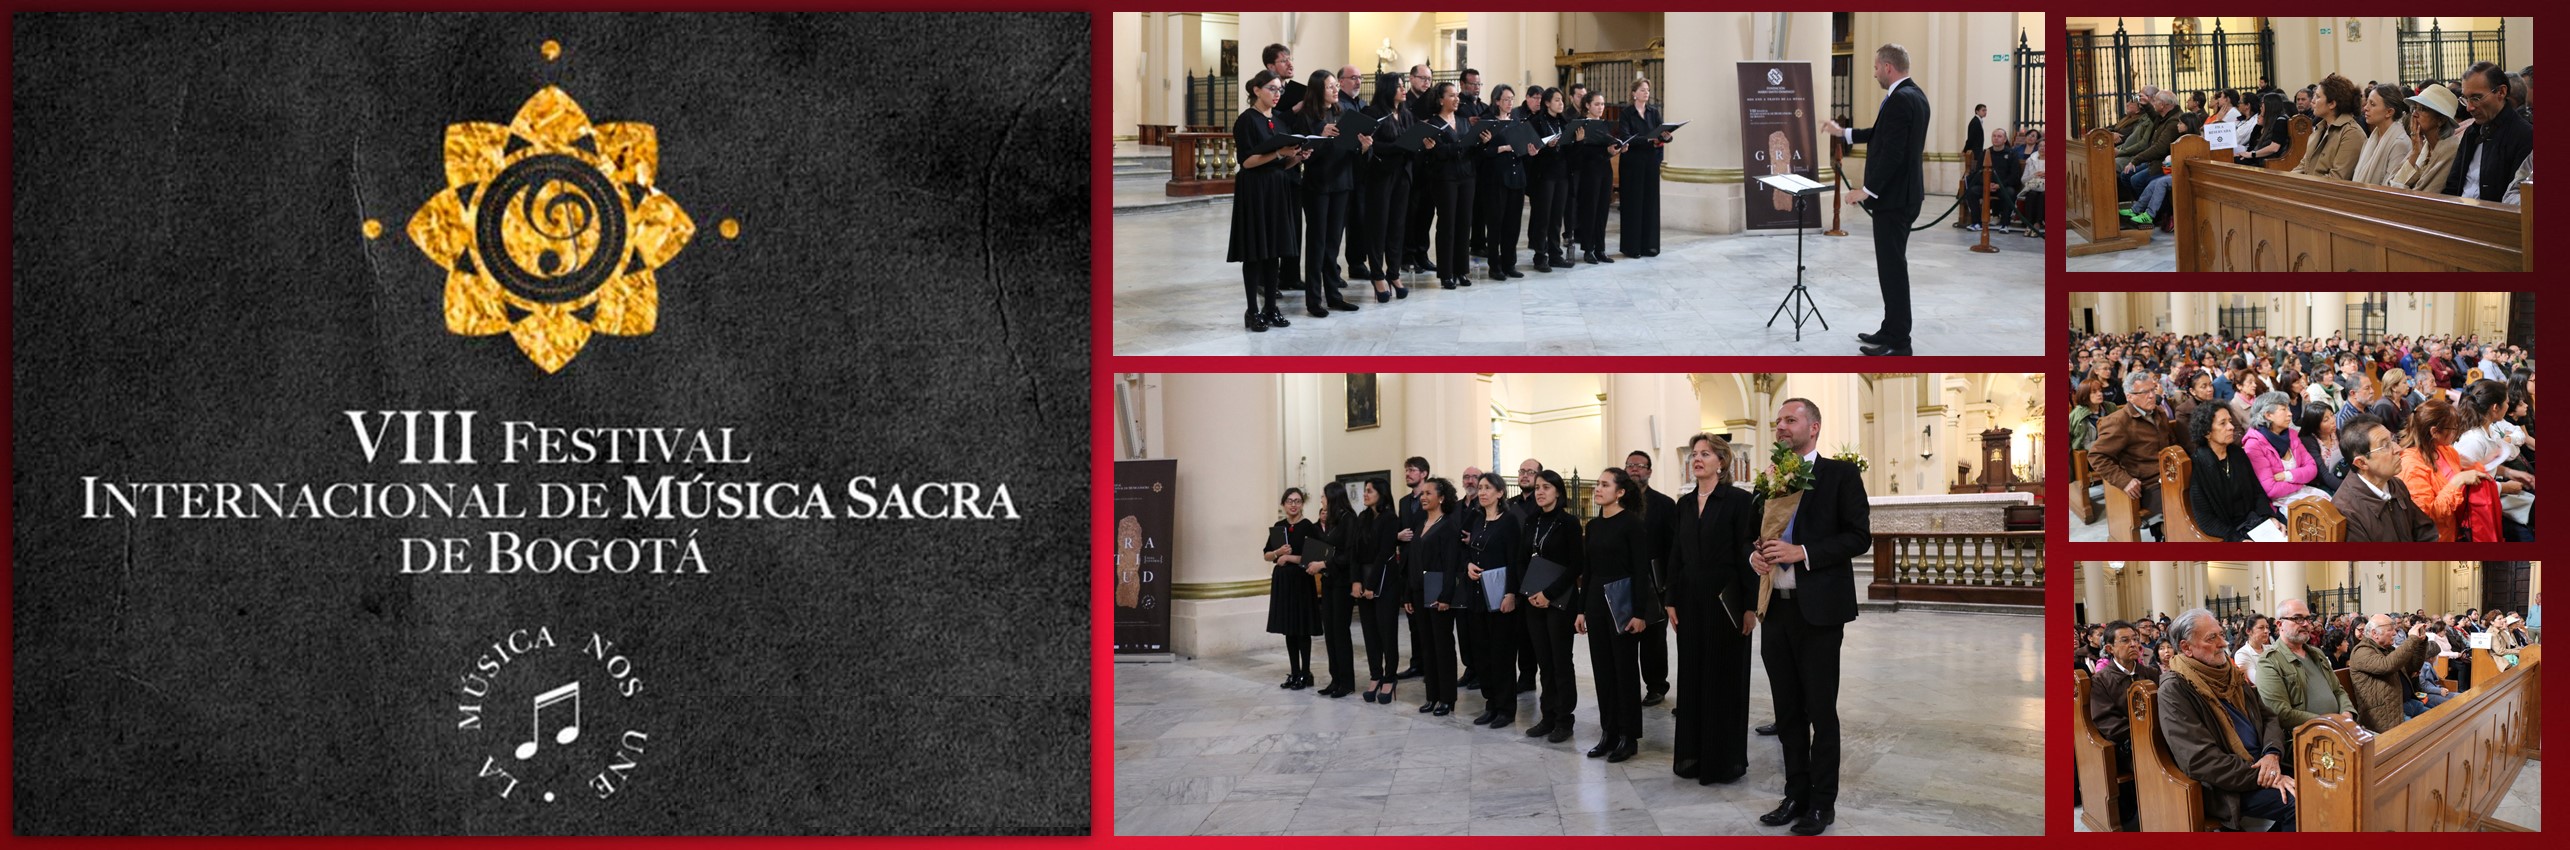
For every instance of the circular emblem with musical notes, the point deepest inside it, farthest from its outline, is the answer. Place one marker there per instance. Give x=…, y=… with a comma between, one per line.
x=548, y=717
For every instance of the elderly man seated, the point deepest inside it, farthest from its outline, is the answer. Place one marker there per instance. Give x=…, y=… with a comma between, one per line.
x=2126, y=453
x=2384, y=674
x=2219, y=734
x=2295, y=678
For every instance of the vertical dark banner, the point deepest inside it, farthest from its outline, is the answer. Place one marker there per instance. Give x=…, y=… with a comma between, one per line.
x=1776, y=126
x=1146, y=500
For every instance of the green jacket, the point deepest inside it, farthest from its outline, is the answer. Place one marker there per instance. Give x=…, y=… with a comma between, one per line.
x=2281, y=686
x=2140, y=136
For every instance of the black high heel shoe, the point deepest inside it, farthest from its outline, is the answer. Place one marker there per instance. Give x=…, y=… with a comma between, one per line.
x=1274, y=318
x=1255, y=323
x=1383, y=296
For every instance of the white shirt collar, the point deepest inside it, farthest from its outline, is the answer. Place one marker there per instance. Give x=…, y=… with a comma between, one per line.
x=2120, y=665
x=2369, y=485
x=1812, y=456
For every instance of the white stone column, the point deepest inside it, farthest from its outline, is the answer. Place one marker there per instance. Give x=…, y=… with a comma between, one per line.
x=2163, y=588
x=2184, y=313
x=2328, y=311
x=2100, y=596
x=1223, y=430
x=1127, y=88
x=2291, y=581
x=1704, y=89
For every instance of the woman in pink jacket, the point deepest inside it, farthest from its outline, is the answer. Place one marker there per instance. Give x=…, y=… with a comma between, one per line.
x=2275, y=450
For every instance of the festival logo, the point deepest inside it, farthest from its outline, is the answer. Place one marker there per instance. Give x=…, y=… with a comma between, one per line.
x=549, y=717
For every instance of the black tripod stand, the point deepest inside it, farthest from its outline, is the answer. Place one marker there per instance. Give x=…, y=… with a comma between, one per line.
x=1800, y=298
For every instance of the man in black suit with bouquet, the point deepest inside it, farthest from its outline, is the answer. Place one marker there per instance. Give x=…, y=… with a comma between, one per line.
x=1814, y=595
x=1892, y=191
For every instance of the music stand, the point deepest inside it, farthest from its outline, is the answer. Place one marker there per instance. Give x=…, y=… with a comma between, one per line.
x=1799, y=298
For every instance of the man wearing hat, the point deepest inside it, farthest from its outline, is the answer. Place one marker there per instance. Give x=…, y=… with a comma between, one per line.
x=2427, y=165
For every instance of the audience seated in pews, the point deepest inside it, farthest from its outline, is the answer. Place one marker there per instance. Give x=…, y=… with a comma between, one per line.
x=2381, y=676
x=2225, y=495
x=2298, y=680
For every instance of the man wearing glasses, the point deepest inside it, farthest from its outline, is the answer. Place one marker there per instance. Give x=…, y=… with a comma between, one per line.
x=2294, y=678
x=2127, y=450
x=2377, y=505
x=2499, y=140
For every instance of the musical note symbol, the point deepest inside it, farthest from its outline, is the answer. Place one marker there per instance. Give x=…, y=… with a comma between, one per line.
x=570, y=732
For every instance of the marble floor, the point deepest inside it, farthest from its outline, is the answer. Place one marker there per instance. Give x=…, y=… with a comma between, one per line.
x=1704, y=295
x=2158, y=256
x=1941, y=717
x=2523, y=805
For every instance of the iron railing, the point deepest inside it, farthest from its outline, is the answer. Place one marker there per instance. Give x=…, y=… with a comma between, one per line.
x=2029, y=89
x=2241, y=322
x=2107, y=70
x=2439, y=54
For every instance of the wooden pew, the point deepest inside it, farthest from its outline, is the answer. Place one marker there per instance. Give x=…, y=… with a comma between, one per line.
x=2444, y=770
x=2093, y=202
x=2180, y=527
x=2170, y=800
x=2102, y=805
x=2081, y=505
x=2314, y=521
x=2300, y=129
x=2235, y=218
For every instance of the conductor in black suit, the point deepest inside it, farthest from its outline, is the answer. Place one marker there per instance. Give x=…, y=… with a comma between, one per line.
x=1892, y=191
x=1815, y=596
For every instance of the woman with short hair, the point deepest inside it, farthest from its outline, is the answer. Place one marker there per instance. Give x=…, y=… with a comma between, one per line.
x=2224, y=494
x=2388, y=143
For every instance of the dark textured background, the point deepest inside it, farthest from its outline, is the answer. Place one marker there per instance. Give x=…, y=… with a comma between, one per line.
x=193, y=302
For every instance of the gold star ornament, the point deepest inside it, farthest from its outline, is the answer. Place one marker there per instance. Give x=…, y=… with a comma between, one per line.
x=550, y=228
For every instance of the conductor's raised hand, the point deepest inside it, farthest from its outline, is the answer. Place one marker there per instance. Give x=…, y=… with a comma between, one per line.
x=1829, y=127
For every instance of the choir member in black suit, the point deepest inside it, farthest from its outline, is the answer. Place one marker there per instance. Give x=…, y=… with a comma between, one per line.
x=1495, y=545
x=1590, y=168
x=1264, y=236
x=1423, y=195
x=1548, y=178
x=1709, y=554
x=1503, y=191
x=1289, y=100
x=1293, y=610
x=1572, y=108
x=1379, y=587
x=1662, y=523
x=1639, y=235
x=1452, y=163
x=1893, y=190
x=1338, y=529
x=1328, y=178
x=1618, y=550
x=1383, y=185
x=1437, y=549
x=1815, y=596
x=1414, y=473
x=1555, y=535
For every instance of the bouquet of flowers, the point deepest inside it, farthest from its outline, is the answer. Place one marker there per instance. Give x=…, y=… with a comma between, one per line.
x=1848, y=454
x=1780, y=487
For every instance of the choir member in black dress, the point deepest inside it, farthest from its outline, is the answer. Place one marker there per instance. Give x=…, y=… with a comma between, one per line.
x=1618, y=549
x=1596, y=182
x=1503, y=191
x=1547, y=178
x=1639, y=234
x=1495, y=544
x=1437, y=549
x=1263, y=211
x=1451, y=162
x=1293, y=607
x=1572, y=107
x=1378, y=589
x=1328, y=178
x=1382, y=195
x=1708, y=554
x=1554, y=534
x=1339, y=530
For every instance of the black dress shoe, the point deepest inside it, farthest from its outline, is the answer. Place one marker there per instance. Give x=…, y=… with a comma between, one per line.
x=1339, y=304
x=1428, y=706
x=1289, y=682
x=1768, y=729
x=1469, y=681
x=1443, y=709
x=1445, y=283
x=1484, y=718
x=1540, y=729
x=1503, y=721
x=1654, y=697
x=1561, y=732
x=1787, y=812
x=1315, y=310
x=1411, y=673
x=1651, y=253
x=1686, y=768
x=1253, y=322
x=1604, y=745
x=1596, y=257
x=1869, y=339
x=1513, y=272
x=1624, y=750
x=1464, y=279
x=1543, y=263
x=1275, y=319
x=1816, y=820
x=1884, y=351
